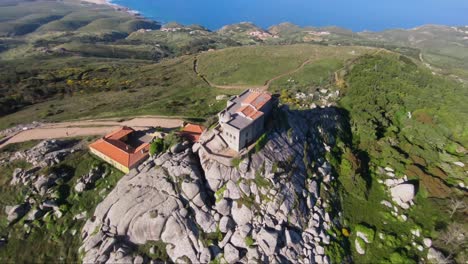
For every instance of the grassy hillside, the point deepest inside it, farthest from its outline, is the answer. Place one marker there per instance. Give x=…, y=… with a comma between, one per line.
x=66, y=60
x=254, y=65
x=90, y=88
x=51, y=239
x=405, y=118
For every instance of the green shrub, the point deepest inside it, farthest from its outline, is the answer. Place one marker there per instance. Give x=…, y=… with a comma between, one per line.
x=219, y=194
x=261, y=142
x=235, y=162
x=397, y=258
x=249, y=241
x=156, y=147
x=170, y=140
x=260, y=181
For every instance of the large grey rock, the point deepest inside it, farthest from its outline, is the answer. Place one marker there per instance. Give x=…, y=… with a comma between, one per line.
x=16, y=212
x=267, y=240
x=80, y=187
x=205, y=221
x=144, y=206
x=35, y=214
x=231, y=254
x=225, y=224
x=403, y=193
x=190, y=189
x=17, y=175
x=435, y=256
x=223, y=207
x=88, y=180
x=48, y=152
x=241, y=214
x=233, y=191
x=205, y=255
x=237, y=240
x=178, y=148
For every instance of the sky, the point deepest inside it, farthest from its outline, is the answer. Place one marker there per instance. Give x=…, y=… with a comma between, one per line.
x=357, y=15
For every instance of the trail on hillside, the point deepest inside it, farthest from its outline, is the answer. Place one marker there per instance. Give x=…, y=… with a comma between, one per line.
x=89, y=128
x=267, y=84
x=264, y=87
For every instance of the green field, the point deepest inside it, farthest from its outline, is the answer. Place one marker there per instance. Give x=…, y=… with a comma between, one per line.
x=254, y=65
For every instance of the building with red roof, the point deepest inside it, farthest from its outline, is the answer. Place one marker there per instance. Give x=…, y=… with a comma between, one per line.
x=243, y=120
x=192, y=132
x=121, y=148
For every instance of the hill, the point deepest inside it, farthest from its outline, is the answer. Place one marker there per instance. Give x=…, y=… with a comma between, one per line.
x=393, y=102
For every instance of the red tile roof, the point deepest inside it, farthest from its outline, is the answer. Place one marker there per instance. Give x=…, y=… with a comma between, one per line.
x=120, y=133
x=249, y=112
x=192, y=132
x=257, y=99
x=117, y=150
x=252, y=105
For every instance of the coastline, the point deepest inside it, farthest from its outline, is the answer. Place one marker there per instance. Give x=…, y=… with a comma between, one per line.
x=115, y=6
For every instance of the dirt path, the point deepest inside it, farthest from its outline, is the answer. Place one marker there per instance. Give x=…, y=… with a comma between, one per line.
x=89, y=128
x=264, y=87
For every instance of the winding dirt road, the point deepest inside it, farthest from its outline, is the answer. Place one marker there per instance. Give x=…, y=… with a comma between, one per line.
x=89, y=128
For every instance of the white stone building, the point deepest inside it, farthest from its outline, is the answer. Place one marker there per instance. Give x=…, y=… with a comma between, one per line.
x=243, y=120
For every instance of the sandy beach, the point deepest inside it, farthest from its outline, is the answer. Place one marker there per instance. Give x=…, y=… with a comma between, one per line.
x=98, y=2
x=115, y=6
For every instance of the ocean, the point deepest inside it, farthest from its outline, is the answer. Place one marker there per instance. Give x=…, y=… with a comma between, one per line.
x=357, y=15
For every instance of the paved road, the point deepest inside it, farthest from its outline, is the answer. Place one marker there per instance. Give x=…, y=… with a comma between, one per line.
x=89, y=128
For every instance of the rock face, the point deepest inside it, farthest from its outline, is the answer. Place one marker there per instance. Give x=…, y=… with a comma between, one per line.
x=89, y=179
x=16, y=212
x=403, y=194
x=47, y=153
x=435, y=256
x=268, y=209
x=276, y=191
x=145, y=206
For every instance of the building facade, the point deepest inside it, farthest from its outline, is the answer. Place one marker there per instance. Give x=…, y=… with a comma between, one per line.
x=120, y=149
x=243, y=120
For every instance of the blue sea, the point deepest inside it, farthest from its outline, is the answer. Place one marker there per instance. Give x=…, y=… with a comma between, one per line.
x=356, y=15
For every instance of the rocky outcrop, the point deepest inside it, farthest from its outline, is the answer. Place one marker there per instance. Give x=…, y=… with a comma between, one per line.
x=268, y=209
x=16, y=212
x=275, y=193
x=39, y=184
x=403, y=194
x=47, y=153
x=148, y=205
x=88, y=180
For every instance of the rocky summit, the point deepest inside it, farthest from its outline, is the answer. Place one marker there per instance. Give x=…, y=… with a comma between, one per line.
x=274, y=206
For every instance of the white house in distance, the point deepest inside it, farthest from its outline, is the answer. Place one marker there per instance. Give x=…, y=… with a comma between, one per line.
x=243, y=120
